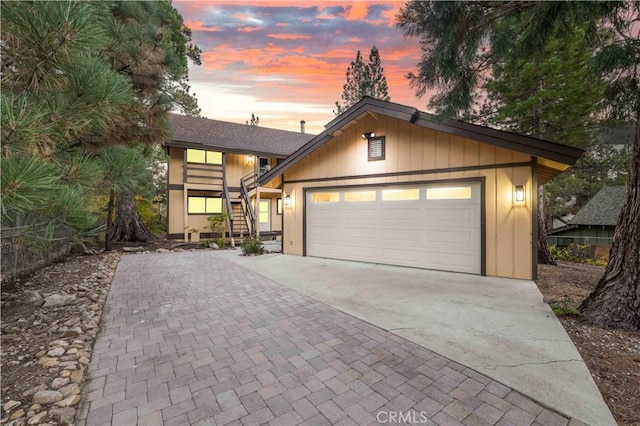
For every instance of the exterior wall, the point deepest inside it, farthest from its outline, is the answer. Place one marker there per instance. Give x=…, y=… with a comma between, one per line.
x=343, y=161
x=236, y=167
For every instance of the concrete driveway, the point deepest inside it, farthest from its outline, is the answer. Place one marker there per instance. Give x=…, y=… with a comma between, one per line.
x=499, y=327
x=196, y=338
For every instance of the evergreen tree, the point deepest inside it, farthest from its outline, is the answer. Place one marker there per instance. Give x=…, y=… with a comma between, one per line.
x=461, y=41
x=150, y=46
x=546, y=98
x=255, y=120
x=363, y=80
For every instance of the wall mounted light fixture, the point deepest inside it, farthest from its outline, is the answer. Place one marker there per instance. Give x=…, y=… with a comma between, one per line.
x=287, y=201
x=518, y=194
x=368, y=135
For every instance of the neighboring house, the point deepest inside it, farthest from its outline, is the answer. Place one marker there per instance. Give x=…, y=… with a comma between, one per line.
x=595, y=223
x=213, y=168
x=387, y=183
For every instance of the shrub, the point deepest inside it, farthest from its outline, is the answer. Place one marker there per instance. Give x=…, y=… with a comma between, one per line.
x=565, y=308
x=252, y=245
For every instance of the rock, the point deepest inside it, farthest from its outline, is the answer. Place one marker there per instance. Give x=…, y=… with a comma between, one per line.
x=70, y=389
x=56, y=300
x=35, y=407
x=59, y=382
x=72, y=351
x=214, y=246
x=59, y=342
x=37, y=418
x=65, y=373
x=163, y=250
x=84, y=360
x=46, y=397
x=56, y=352
x=33, y=391
x=65, y=416
x=77, y=376
x=48, y=362
x=17, y=414
x=35, y=298
x=71, y=333
x=69, y=402
x=138, y=249
x=10, y=405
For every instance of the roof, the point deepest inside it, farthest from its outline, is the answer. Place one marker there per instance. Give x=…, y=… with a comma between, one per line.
x=197, y=132
x=603, y=209
x=513, y=141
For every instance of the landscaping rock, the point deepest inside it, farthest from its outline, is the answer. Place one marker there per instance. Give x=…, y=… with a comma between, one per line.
x=34, y=390
x=38, y=418
x=46, y=397
x=56, y=352
x=59, y=382
x=70, y=389
x=138, y=249
x=64, y=416
x=69, y=402
x=56, y=300
x=35, y=298
x=17, y=414
x=10, y=405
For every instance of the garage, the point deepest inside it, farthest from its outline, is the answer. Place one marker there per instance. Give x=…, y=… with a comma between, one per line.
x=428, y=225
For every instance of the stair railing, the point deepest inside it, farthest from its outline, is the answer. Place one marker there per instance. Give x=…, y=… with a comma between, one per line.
x=229, y=207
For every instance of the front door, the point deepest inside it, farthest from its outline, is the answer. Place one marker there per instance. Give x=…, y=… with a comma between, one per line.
x=264, y=215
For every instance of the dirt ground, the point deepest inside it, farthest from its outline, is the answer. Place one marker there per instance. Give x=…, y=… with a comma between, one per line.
x=613, y=357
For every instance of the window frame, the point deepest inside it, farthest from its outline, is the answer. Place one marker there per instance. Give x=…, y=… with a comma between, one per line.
x=189, y=197
x=382, y=141
x=206, y=157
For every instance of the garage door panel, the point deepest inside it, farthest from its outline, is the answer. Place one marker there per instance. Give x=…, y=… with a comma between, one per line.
x=435, y=234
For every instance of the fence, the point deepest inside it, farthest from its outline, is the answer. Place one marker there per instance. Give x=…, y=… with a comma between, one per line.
x=18, y=258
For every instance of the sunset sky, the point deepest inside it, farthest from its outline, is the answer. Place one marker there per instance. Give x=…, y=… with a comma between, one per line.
x=286, y=60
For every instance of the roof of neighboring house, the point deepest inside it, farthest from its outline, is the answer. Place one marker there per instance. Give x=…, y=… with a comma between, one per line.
x=603, y=209
x=196, y=132
x=529, y=145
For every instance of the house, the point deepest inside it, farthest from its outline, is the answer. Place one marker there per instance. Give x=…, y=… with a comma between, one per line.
x=595, y=223
x=213, y=168
x=387, y=183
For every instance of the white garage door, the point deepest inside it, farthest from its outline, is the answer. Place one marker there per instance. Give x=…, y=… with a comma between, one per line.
x=425, y=226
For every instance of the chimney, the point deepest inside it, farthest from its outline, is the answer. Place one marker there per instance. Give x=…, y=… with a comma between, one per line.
x=302, y=123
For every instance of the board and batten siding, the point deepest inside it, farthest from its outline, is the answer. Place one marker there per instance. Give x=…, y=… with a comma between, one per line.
x=343, y=162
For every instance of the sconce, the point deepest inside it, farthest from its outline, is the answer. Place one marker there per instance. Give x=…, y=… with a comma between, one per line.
x=251, y=160
x=287, y=201
x=518, y=194
x=368, y=135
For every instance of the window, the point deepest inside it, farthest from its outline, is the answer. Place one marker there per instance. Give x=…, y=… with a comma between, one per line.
x=449, y=193
x=203, y=157
x=279, y=206
x=355, y=196
x=204, y=205
x=376, y=148
x=408, y=194
x=325, y=197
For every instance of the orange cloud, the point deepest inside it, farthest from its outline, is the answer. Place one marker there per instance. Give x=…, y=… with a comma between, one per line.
x=247, y=29
x=357, y=11
x=199, y=26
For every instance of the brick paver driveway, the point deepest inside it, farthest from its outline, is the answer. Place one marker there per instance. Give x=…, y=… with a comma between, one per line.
x=192, y=338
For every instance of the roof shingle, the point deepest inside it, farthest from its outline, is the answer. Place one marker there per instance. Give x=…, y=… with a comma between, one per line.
x=226, y=136
x=603, y=209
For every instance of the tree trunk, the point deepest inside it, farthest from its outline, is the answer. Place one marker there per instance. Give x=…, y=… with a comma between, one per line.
x=128, y=225
x=544, y=254
x=615, y=302
x=107, y=235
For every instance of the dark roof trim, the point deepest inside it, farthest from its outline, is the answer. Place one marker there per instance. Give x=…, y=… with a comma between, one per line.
x=194, y=145
x=562, y=228
x=525, y=144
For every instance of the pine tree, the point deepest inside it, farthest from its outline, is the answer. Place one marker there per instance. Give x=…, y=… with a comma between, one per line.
x=363, y=80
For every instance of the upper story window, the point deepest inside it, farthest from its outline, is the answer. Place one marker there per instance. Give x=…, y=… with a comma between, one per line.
x=204, y=157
